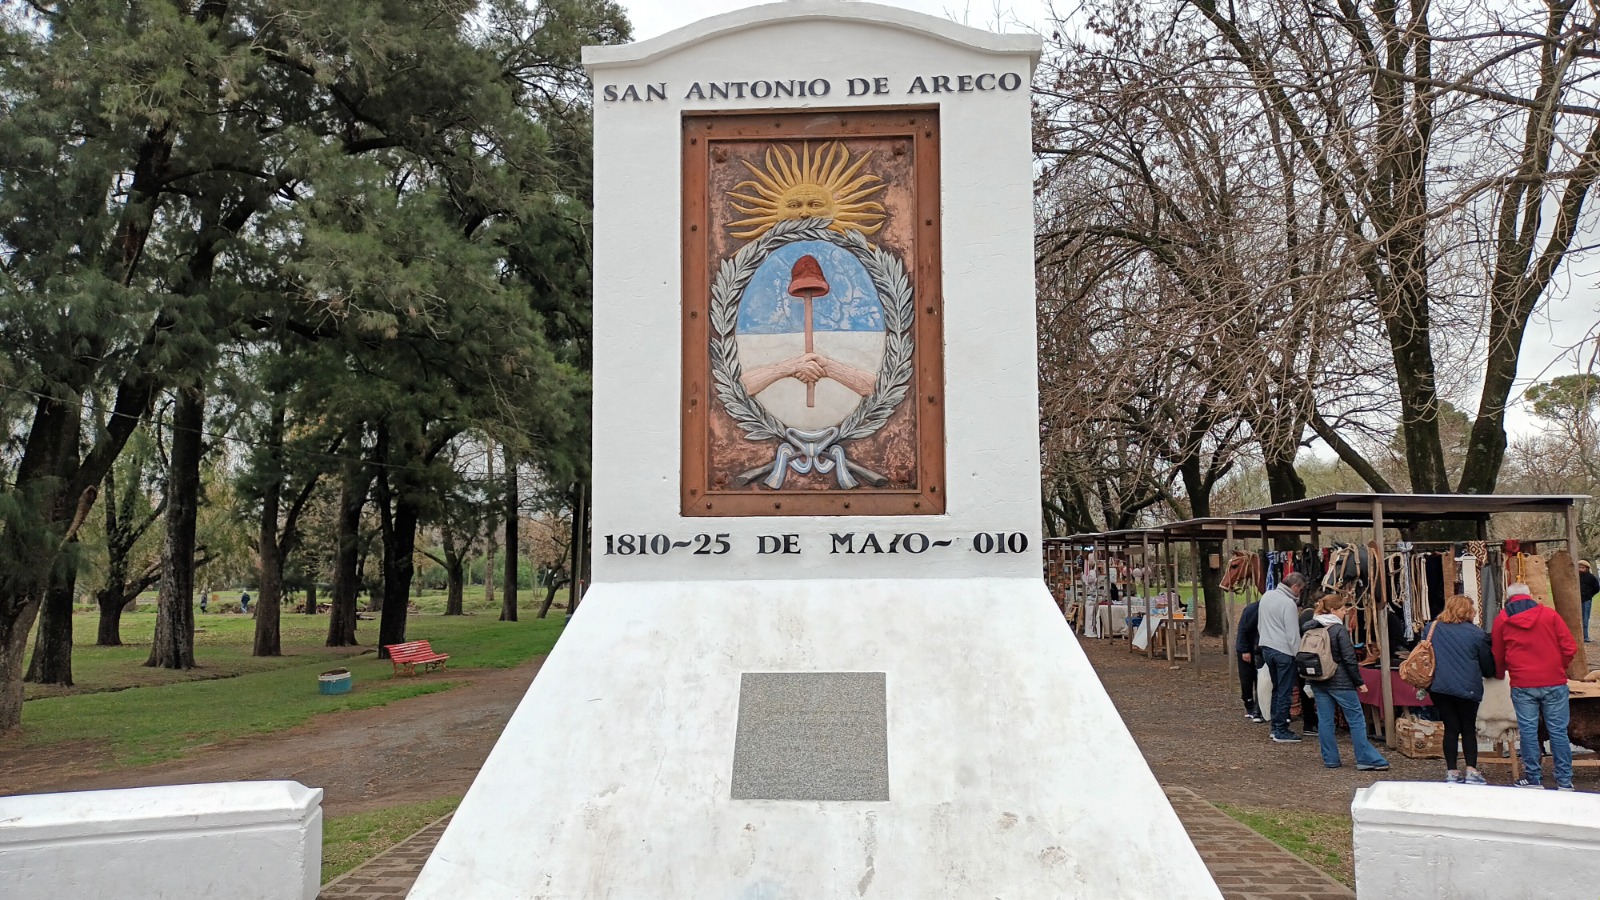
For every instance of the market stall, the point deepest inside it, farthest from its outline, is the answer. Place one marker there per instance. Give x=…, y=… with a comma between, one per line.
x=1411, y=582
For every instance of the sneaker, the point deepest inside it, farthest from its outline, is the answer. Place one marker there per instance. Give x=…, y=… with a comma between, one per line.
x=1525, y=783
x=1308, y=732
x=1475, y=777
x=1334, y=766
x=1380, y=767
x=1287, y=737
x=1565, y=788
x=1259, y=719
x=1452, y=777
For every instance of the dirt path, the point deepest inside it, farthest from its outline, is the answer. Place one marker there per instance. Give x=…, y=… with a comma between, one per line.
x=1188, y=723
x=416, y=749
x=1191, y=727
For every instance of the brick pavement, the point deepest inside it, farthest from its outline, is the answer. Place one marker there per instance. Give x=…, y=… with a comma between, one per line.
x=1246, y=865
x=389, y=876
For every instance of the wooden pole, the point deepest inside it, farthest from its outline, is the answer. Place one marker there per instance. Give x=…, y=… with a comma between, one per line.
x=1227, y=597
x=1579, y=666
x=1378, y=592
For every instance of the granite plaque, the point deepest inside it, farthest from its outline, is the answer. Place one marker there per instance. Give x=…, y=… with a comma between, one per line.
x=811, y=736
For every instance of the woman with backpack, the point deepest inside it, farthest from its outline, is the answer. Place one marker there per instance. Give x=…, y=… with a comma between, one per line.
x=1328, y=661
x=1462, y=659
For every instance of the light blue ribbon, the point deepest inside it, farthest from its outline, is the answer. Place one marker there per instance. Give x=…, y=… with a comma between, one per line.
x=807, y=451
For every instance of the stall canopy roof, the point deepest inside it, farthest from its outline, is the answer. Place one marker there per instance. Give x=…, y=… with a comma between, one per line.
x=1334, y=511
x=1354, y=508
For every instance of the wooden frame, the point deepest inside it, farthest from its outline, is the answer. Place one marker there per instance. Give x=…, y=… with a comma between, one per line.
x=704, y=493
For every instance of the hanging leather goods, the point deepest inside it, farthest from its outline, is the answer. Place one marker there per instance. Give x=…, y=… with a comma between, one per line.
x=1407, y=586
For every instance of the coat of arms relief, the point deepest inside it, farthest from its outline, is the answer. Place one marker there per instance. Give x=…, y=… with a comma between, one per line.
x=819, y=343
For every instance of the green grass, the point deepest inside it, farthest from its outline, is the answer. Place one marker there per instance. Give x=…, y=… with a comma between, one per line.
x=1322, y=839
x=145, y=715
x=349, y=841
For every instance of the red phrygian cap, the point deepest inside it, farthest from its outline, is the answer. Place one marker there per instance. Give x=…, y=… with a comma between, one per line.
x=806, y=279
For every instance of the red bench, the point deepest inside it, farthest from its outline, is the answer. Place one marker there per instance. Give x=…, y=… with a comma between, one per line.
x=406, y=657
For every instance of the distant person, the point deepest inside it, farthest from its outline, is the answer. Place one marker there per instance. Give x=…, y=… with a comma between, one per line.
x=205, y=600
x=244, y=601
x=1308, y=705
x=1278, y=624
x=1462, y=659
x=1340, y=691
x=1588, y=586
x=1534, y=645
x=1247, y=652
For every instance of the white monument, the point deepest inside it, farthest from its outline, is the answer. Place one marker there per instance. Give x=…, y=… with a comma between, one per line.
x=818, y=658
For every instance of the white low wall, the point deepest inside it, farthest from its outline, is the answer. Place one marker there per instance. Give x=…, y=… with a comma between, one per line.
x=247, y=840
x=1465, y=842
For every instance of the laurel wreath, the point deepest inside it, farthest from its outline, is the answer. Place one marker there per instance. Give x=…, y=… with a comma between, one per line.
x=894, y=293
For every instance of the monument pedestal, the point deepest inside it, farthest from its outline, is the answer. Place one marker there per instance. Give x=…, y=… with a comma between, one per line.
x=818, y=659
x=1009, y=772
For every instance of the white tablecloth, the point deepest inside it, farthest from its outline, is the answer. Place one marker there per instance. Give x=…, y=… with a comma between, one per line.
x=1146, y=630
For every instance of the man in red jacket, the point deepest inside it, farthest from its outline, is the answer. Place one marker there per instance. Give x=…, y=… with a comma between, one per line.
x=1534, y=645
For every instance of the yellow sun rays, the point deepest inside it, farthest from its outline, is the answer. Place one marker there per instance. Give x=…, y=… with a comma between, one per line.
x=824, y=185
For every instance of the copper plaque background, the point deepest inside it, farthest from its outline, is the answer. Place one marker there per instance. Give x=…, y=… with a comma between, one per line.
x=904, y=458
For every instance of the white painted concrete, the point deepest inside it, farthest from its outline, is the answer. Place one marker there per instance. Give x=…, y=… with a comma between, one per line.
x=1466, y=842
x=991, y=391
x=1011, y=774
x=245, y=840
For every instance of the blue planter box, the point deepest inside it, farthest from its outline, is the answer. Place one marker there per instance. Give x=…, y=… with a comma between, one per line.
x=337, y=681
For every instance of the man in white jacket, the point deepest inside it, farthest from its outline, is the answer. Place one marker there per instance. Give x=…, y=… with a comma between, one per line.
x=1278, y=624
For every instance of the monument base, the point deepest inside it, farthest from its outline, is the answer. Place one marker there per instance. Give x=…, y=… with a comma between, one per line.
x=801, y=739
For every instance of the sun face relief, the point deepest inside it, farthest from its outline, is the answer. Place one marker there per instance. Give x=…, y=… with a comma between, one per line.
x=813, y=374
x=826, y=187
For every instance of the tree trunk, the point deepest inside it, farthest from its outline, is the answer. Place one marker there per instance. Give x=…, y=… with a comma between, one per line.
x=1211, y=588
x=489, y=541
x=173, y=647
x=52, y=646
x=346, y=561
x=111, y=601
x=455, y=573
x=1283, y=481
x=508, y=591
x=311, y=596
x=269, y=600
x=399, y=545
x=554, y=583
x=580, y=550
x=30, y=539
x=13, y=649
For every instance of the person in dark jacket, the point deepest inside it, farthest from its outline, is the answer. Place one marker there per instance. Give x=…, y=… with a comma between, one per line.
x=1247, y=652
x=1462, y=659
x=1308, y=704
x=1588, y=586
x=1341, y=691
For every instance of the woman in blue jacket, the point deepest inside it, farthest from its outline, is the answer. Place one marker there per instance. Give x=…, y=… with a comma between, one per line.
x=1462, y=660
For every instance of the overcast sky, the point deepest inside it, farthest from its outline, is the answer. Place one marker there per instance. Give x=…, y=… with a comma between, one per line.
x=1560, y=326
x=653, y=17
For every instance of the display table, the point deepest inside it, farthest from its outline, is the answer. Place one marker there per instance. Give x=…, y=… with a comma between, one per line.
x=1372, y=701
x=1146, y=632
x=1112, y=619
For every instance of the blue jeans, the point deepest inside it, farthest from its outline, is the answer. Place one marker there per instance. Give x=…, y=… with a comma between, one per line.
x=1282, y=667
x=1350, y=702
x=1586, y=605
x=1552, y=701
